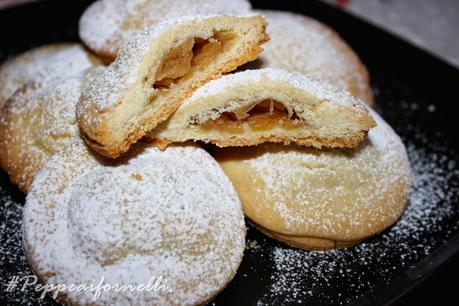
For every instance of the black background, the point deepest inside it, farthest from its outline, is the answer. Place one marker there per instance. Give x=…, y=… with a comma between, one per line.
x=385, y=56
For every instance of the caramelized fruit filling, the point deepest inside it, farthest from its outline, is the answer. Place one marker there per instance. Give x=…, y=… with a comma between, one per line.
x=261, y=117
x=194, y=52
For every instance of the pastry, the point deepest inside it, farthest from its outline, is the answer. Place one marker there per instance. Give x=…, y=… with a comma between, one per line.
x=304, y=45
x=322, y=199
x=157, y=70
x=34, y=122
x=43, y=65
x=268, y=105
x=169, y=214
x=107, y=25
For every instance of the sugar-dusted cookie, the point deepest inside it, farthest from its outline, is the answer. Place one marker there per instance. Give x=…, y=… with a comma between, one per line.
x=35, y=122
x=304, y=45
x=322, y=199
x=171, y=215
x=157, y=70
x=43, y=65
x=107, y=25
x=268, y=105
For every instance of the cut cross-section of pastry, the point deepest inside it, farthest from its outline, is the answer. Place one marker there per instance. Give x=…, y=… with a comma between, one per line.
x=157, y=70
x=268, y=105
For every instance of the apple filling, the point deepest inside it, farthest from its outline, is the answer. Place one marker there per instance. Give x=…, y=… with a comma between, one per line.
x=192, y=54
x=263, y=116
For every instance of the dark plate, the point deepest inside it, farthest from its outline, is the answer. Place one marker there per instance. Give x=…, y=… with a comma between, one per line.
x=414, y=92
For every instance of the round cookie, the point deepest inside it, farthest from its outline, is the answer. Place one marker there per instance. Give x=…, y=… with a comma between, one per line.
x=107, y=25
x=322, y=199
x=304, y=45
x=35, y=122
x=43, y=65
x=171, y=214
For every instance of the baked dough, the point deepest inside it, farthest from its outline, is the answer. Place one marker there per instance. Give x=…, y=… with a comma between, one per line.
x=268, y=105
x=304, y=45
x=107, y=25
x=171, y=214
x=322, y=199
x=157, y=70
x=42, y=66
x=34, y=122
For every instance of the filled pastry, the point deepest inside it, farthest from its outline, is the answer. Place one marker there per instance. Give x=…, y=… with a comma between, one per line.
x=157, y=70
x=268, y=105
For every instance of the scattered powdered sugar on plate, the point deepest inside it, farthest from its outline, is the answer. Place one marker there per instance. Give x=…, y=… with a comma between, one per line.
x=12, y=259
x=302, y=276
x=298, y=276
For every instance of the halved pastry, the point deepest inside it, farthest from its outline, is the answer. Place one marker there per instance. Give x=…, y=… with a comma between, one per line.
x=268, y=105
x=157, y=70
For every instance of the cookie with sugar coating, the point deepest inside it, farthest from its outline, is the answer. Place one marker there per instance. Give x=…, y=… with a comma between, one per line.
x=169, y=214
x=37, y=121
x=304, y=45
x=268, y=105
x=157, y=70
x=322, y=199
x=107, y=25
x=43, y=65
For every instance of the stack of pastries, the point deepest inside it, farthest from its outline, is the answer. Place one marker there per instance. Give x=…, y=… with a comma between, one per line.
x=104, y=138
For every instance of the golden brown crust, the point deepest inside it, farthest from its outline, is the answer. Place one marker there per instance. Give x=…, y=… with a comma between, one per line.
x=307, y=243
x=363, y=91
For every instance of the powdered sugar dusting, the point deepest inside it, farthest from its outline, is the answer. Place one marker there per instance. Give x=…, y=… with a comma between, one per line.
x=321, y=90
x=302, y=276
x=12, y=259
x=330, y=193
x=107, y=90
x=291, y=276
x=108, y=24
x=172, y=213
x=42, y=66
x=36, y=121
x=301, y=44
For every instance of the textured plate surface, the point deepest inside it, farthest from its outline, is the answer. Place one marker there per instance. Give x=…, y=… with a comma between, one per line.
x=414, y=92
